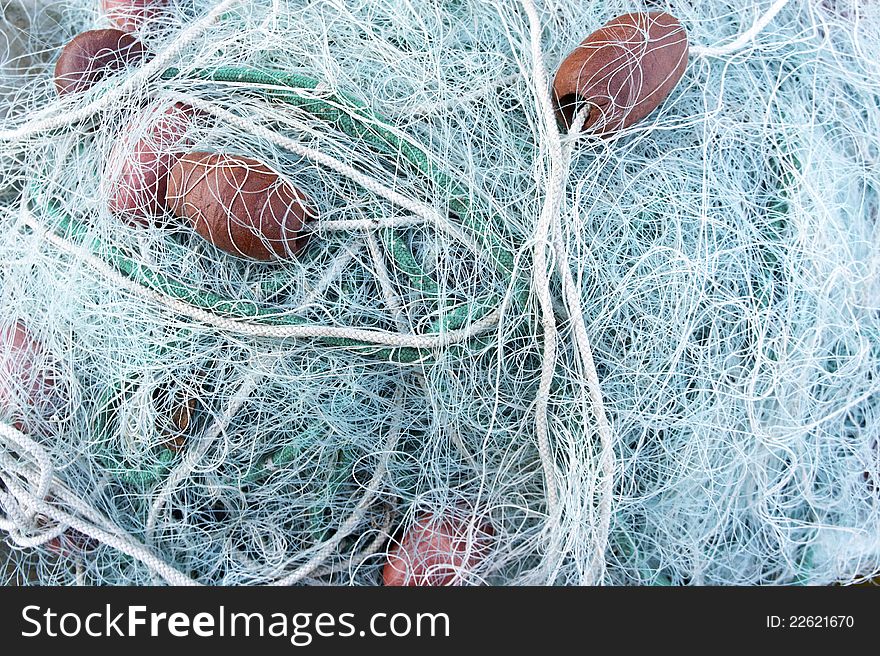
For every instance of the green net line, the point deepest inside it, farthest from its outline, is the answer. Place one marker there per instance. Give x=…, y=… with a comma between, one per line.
x=162, y=457
x=405, y=260
x=268, y=464
x=69, y=227
x=351, y=117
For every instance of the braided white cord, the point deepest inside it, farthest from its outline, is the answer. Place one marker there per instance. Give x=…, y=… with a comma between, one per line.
x=126, y=546
x=19, y=524
x=372, y=336
x=38, y=453
x=58, y=490
x=743, y=39
x=136, y=81
x=582, y=346
x=115, y=537
x=559, y=162
x=351, y=225
x=541, y=280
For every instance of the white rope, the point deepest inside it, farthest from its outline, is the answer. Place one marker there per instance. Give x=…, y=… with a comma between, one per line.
x=743, y=39
x=23, y=529
x=550, y=224
x=119, y=543
x=37, y=452
x=353, y=225
x=6, y=525
x=541, y=279
x=582, y=347
x=20, y=524
x=116, y=539
x=58, y=491
x=134, y=82
x=559, y=163
x=371, y=336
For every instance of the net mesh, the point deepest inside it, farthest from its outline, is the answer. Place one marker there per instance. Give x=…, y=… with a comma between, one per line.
x=175, y=413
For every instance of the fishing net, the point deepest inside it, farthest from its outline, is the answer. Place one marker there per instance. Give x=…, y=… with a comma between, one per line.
x=651, y=358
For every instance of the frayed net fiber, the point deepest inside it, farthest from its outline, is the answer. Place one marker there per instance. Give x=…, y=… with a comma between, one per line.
x=652, y=358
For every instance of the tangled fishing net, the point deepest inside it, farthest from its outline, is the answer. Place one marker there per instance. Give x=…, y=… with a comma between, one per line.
x=652, y=358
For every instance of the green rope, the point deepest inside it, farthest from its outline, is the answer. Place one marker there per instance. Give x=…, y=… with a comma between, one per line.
x=276, y=460
x=405, y=260
x=68, y=227
x=350, y=116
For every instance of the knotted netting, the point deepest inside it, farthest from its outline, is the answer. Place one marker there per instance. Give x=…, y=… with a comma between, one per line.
x=644, y=359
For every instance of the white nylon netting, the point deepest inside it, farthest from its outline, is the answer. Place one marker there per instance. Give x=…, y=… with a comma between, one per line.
x=191, y=416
